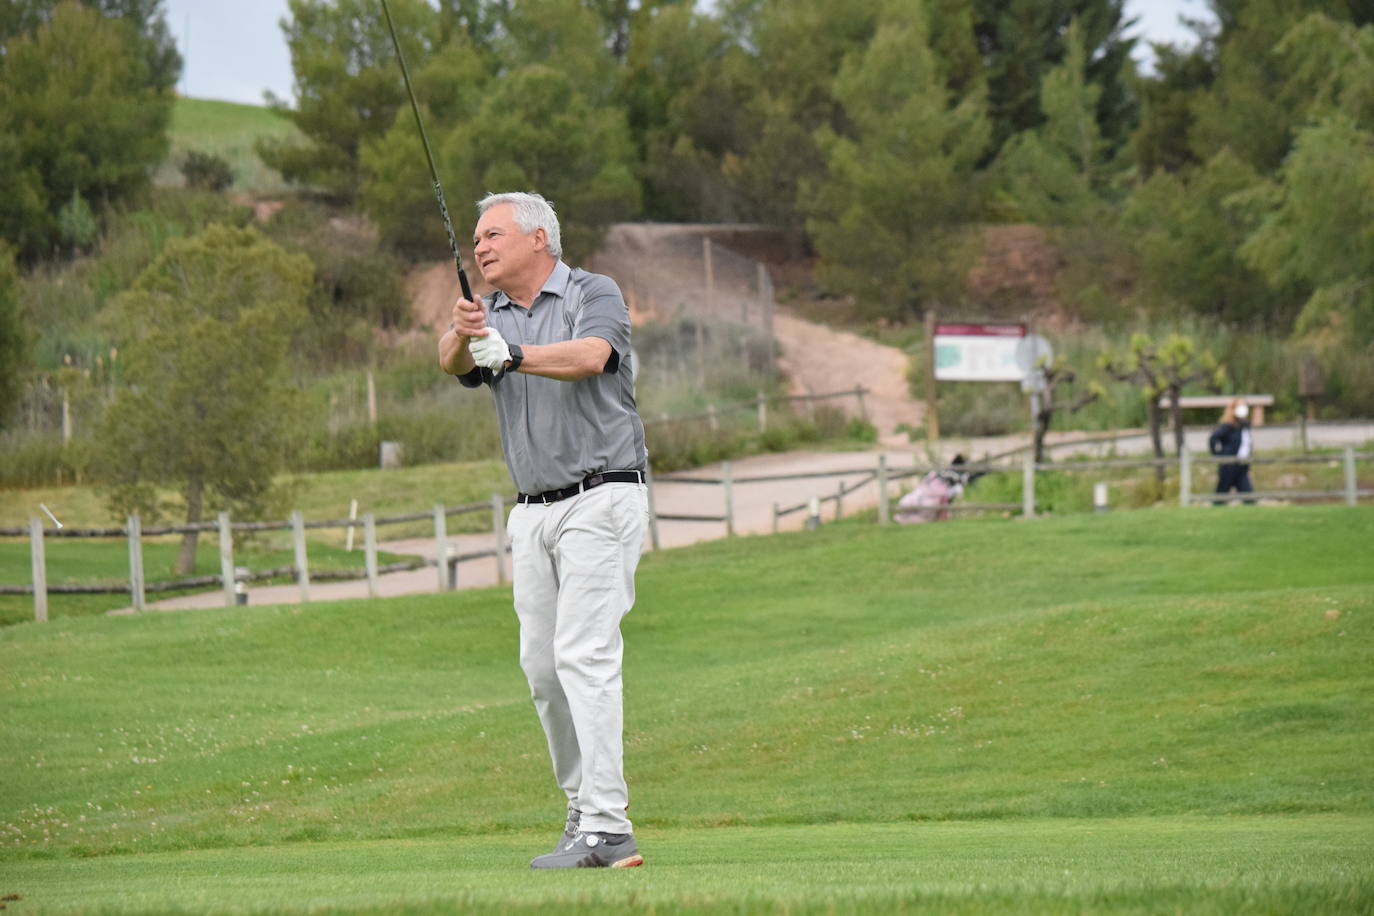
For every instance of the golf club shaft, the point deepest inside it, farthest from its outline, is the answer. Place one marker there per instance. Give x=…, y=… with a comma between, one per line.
x=433, y=171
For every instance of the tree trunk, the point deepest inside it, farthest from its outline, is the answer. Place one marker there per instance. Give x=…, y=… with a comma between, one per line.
x=1042, y=428
x=1156, y=434
x=186, y=559
x=1176, y=417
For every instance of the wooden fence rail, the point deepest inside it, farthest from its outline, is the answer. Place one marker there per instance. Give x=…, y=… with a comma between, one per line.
x=231, y=578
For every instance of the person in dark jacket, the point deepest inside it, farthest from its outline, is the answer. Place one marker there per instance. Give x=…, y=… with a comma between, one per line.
x=1232, y=438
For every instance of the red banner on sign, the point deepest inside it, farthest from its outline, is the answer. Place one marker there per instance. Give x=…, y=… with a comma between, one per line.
x=980, y=330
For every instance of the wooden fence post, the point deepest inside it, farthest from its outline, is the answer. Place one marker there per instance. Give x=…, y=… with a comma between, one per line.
x=40, y=570
x=441, y=546
x=728, y=479
x=1351, y=491
x=932, y=398
x=498, y=530
x=226, y=558
x=302, y=563
x=1185, y=477
x=370, y=546
x=775, y=518
x=884, y=508
x=839, y=501
x=768, y=324
x=135, y=532
x=371, y=399
x=1028, y=485
x=859, y=392
x=653, y=510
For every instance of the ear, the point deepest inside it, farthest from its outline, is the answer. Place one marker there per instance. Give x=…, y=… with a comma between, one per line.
x=541, y=239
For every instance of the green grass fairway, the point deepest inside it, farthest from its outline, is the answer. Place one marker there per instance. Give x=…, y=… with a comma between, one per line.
x=1156, y=711
x=1164, y=865
x=228, y=130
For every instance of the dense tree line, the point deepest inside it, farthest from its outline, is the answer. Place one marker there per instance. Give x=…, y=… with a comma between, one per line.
x=886, y=131
x=85, y=101
x=1233, y=183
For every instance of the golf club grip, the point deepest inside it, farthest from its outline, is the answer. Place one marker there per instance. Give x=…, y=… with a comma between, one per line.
x=429, y=156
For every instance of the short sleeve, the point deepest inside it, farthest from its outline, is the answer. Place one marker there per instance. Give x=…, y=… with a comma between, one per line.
x=605, y=315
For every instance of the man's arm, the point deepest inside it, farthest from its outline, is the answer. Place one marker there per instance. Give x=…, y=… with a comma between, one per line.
x=566, y=361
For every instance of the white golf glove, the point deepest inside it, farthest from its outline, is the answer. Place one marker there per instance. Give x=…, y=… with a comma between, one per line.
x=490, y=352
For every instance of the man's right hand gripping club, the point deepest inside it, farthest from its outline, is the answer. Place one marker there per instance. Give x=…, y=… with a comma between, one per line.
x=469, y=326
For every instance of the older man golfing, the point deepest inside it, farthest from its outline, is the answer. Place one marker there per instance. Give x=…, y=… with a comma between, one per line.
x=553, y=345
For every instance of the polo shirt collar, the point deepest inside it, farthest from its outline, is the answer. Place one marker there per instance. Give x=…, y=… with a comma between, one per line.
x=557, y=284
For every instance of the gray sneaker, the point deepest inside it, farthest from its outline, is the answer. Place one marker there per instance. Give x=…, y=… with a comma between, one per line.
x=569, y=830
x=593, y=850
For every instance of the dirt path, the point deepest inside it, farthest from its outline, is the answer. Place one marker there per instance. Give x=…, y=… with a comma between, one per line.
x=821, y=360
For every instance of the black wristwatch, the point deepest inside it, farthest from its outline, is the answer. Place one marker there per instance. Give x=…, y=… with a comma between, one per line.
x=517, y=356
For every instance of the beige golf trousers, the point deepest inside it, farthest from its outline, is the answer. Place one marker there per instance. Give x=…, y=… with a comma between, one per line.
x=574, y=567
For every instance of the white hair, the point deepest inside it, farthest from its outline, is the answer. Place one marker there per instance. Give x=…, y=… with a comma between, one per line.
x=532, y=212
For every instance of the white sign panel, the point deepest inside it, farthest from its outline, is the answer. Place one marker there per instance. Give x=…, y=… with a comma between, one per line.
x=978, y=352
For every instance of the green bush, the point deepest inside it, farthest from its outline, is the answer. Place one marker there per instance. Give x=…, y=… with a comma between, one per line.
x=40, y=459
x=77, y=227
x=429, y=430
x=206, y=171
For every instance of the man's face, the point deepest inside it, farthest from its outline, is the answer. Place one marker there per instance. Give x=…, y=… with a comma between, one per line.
x=503, y=253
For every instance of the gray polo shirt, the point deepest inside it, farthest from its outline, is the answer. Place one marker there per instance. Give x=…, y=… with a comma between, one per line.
x=556, y=433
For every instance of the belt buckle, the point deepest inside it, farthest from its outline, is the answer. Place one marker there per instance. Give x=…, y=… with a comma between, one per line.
x=595, y=480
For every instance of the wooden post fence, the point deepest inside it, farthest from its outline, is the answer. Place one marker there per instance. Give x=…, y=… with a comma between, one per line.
x=729, y=483
x=370, y=546
x=653, y=510
x=302, y=563
x=498, y=530
x=1185, y=477
x=441, y=547
x=883, y=508
x=1028, y=485
x=40, y=570
x=135, y=529
x=1351, y=494
x=226, y=558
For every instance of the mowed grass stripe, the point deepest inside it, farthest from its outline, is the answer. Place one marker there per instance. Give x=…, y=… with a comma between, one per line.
x=1199, y=865
x=995, y=673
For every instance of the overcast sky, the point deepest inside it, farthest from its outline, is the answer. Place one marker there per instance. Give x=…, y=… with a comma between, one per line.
x=235, y=50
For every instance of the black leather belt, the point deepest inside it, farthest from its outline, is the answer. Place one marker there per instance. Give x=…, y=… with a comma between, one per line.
x=590, y=482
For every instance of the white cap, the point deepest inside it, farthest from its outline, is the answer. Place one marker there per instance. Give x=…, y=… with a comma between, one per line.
x=1242, y=410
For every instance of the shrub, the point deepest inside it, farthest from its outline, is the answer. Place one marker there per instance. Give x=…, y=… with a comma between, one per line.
x=40, y=459
x=77, y=227
x=206, y=171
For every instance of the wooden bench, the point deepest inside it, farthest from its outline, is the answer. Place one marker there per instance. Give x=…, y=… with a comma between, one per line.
x=1257, y=403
